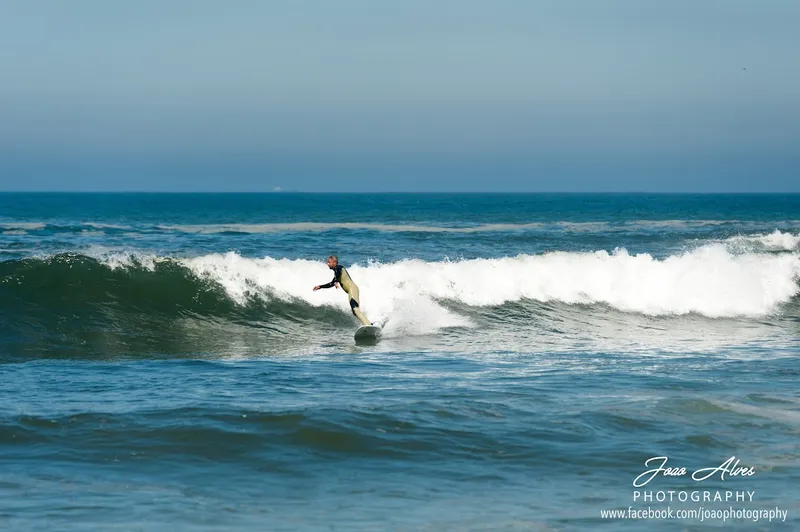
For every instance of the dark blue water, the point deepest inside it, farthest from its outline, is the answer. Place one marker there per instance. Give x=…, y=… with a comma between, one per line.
x=164, y=362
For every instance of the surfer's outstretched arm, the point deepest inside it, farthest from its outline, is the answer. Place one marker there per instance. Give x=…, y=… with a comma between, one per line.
x=326, y=285
x=337, y=272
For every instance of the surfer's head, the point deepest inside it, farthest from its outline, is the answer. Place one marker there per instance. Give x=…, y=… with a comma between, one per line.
x=333, y=260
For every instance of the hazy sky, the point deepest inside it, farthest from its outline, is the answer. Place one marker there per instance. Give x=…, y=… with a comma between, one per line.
x=613, y=95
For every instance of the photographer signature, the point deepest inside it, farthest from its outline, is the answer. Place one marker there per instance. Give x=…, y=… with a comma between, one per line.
x=729, y=467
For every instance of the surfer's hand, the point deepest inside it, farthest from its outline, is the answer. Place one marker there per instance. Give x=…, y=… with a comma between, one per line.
x=316, y=288
x=336, y=285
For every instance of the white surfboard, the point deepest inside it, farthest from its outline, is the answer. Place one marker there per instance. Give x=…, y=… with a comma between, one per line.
x=368, y=333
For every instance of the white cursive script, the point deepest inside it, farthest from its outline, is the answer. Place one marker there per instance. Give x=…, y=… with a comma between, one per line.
x=729, y=467
x=650, y=474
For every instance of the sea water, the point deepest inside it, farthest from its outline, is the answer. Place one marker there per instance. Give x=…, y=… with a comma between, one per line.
x=165, y=364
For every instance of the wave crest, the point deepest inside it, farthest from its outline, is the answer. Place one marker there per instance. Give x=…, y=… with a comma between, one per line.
x=711, y=281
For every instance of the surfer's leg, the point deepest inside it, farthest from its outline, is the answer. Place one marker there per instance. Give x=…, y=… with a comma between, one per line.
x=354, y=307
x=358, y=314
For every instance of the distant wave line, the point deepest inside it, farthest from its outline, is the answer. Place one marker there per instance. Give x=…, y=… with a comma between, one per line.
x=496, y=227
x=257, y=228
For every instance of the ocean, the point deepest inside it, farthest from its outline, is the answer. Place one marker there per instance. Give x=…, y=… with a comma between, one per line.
x=165, y=364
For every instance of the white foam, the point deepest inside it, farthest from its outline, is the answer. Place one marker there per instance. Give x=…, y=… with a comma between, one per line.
x=414, y=294
x=710, y=281
x=775, y=241
x=25, y=226
x=243, y=278
x=116, y=259
x=106, y=226
x=323, y=226
x=589, y=226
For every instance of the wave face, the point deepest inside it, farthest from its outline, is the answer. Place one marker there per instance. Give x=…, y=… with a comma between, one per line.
x=710, y=281
x=216, y=275
x=141, y=299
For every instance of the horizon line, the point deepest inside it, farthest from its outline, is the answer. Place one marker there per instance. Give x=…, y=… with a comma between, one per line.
x=464, y=192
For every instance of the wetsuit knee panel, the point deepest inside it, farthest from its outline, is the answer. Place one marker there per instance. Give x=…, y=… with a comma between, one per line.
x=353, y=305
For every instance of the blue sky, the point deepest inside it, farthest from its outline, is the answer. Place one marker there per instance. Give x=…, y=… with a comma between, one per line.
x=529, y=95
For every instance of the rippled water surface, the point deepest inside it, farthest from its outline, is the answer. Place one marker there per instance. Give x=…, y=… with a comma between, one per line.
x=164, y=362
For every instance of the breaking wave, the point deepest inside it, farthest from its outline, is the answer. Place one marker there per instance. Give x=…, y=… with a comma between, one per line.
x=711, y=281
x=144, y=303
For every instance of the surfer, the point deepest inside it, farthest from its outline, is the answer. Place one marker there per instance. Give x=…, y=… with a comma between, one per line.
x=341, y=277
